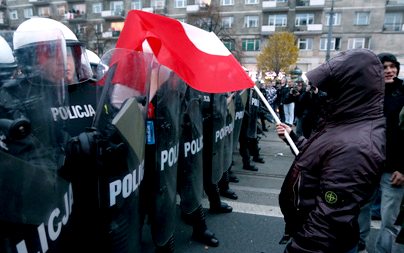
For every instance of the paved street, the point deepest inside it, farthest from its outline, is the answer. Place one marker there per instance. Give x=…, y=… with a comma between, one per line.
x=256, y=223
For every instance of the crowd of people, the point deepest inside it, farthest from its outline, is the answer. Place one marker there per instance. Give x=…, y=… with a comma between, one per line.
x=98, y=154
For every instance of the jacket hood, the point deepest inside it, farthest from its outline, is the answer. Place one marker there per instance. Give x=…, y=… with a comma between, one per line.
x=354, y=82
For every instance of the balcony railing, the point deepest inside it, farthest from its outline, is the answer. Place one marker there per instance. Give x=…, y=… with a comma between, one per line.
x=273, y=4
x=113, y=14
x=38, y=2
x=310, y=3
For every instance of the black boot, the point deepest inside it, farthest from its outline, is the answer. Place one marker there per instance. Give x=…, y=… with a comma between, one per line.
x=216, y=206
x=258, y=159
x=221, y=208
x=169, y=247
x=228, y=194
x=249, y=167
x=201, y=233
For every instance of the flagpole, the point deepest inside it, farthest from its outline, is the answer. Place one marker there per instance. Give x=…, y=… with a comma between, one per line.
x=263, y=99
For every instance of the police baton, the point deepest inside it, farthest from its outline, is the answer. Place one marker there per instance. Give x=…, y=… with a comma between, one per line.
x=263, y=99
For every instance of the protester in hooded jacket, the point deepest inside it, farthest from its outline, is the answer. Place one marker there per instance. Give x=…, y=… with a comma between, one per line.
x=339, y=166
x=392, y=180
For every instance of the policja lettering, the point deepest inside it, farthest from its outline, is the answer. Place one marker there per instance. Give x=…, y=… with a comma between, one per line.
x=194, y=146
x=54, y=228
x=127, y=185
x=170, y=156
x=72, y=112
x=239, y=115
x=255, y=102
x=223, y=132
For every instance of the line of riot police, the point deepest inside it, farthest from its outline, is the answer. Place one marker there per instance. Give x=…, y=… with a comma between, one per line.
x=85, y=163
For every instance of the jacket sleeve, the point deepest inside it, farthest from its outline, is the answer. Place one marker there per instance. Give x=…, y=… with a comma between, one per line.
x=342, y=189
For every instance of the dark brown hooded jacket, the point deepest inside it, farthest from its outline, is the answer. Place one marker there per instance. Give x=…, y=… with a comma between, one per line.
x=339, y=167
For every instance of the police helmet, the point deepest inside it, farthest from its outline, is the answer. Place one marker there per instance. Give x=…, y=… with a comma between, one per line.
x=94, y=60
x=7, y=60
x=74, y=48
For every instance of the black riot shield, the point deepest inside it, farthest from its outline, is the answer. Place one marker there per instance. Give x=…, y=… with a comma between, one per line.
x=162, y=151
x=239, y=108
x=106, y=166
x=214, y=109
x=252, y=113
x=228, y=134
x=36, y=200
x=190, y=166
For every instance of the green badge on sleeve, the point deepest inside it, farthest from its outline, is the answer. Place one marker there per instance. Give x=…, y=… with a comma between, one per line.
x=330, y=197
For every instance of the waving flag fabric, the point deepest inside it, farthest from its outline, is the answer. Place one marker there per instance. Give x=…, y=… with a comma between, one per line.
x=197, y=56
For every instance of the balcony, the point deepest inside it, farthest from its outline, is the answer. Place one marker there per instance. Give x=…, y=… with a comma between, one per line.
x=111, y=34
x=395, y=5
x=39, y=2
x=148, y=9
x=113, y=15
x=272, y=5
x=74, y=17
x=310, y=4
x=393, y=28
x=309, y=29
x=269, y=29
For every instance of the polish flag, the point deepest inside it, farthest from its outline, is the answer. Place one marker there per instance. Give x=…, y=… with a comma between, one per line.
x=197, y=56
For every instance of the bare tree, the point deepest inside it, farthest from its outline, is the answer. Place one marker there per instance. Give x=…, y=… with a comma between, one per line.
x=209, y=18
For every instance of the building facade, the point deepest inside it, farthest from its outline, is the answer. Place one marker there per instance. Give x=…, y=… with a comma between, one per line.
x=374, y=24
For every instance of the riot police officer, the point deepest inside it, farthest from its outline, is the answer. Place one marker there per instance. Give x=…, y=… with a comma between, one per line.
x=34, y=194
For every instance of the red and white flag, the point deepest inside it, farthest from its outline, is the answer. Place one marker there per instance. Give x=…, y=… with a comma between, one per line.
x=197, y=56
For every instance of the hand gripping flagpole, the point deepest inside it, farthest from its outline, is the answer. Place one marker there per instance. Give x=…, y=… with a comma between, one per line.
x=263, y=99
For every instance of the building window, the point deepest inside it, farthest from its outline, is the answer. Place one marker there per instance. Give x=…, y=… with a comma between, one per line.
x=180, y=3
x=13, y=14
x=136, y=5
x=79, y=8
x=28, y=12
x=362, y=18
x=159, y=4
x=227, y=22
x=44, y=12
x=230, y=44
x=278, y=20
x=226, y=2
x=336, y=19
x=2, y=18
x=335, y=44
x=251, y=44
x=304, y=19
x=251, y=21
x=61, y=10
x=356, y=43
x=116, y=7
x=305, y=44
x=97, y=8
x=251, y=1
x=393, y=21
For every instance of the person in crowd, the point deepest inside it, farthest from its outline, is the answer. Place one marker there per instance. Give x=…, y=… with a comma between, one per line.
x=271, y=96
x=308, y=109
x=263, y=111
x=392, y=180
x=288, y=97
x=282, y=91
x=338, y=167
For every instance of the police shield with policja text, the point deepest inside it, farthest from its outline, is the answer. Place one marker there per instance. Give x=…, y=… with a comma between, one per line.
x=162, y=151
x=36, y=200
x=190, y=169
x=107, y=212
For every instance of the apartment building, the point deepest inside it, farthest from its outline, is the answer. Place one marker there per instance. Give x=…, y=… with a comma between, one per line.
x=374, y=24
